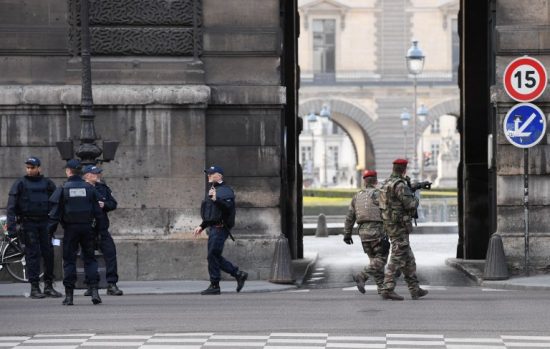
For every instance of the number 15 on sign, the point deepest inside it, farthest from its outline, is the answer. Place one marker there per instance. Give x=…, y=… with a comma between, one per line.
x=525, y=79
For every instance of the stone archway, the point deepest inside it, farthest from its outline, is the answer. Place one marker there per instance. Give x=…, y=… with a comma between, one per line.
x=449, y=107
x=354, y=120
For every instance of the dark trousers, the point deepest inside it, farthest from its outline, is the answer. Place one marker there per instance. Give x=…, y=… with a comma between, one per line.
x=216, y=240
x=38, y=246
x=79, y=235
x=107, y=247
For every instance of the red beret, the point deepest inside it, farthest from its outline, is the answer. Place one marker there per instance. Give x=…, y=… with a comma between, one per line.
x=400, y=162
x=369, y=173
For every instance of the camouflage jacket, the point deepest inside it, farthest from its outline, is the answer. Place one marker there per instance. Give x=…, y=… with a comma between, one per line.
x=397, y=202
x=363, y=208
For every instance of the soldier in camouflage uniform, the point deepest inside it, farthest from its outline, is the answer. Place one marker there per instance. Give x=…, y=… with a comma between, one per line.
x=398, y=204
x=364, y=210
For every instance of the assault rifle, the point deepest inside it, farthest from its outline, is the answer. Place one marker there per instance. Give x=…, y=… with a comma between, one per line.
x=427, y=185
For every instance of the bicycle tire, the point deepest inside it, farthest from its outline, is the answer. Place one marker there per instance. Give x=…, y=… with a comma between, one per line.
x=14, y=260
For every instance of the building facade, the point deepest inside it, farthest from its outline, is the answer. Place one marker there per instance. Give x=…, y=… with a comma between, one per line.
x=182, y=85
x=352, y=60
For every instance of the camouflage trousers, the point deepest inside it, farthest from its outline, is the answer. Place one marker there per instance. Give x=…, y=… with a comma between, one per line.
x=371, y=234
x=402, y=258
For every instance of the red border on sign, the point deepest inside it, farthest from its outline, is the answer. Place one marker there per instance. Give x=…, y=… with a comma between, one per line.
x=520, y=97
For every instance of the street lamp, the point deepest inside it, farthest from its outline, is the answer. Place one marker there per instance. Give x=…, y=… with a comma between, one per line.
x=422, y=113
x=87, y=151
x=325, y=117
x=312, y=119
x=405, y=117
x=415, y=64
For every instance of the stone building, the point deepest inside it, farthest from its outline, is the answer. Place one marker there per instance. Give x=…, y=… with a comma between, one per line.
x=181, y=84
x=352, y=60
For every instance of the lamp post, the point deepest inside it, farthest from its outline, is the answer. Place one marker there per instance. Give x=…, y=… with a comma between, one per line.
x=405, y=117
x=87, y=151
x=324, y=114
x=312, y=120
x=325, y=117
x=422, y=113
x=415, y=64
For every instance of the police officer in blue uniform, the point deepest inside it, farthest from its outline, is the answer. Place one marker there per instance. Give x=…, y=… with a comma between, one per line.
x=75, y=206
x=28, y=206
x=218, y=215
x=92, y=175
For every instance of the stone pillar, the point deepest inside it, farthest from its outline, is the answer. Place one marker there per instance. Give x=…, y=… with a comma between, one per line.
x=520, y=31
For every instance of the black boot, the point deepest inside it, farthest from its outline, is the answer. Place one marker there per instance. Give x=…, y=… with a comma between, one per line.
x=214, y=288
x=113, y=290
x=241, y=278
x=49, y=291
x=95, y=295
x=68, y=296
x=391, y=295
x=360, y=280
x=35, y=291
x=88, y=292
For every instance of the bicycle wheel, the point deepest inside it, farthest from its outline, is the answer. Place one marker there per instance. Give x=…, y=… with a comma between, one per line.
x=13, y=258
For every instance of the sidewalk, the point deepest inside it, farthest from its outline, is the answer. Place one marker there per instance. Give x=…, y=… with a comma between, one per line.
x=474, y=269
x=300, y=268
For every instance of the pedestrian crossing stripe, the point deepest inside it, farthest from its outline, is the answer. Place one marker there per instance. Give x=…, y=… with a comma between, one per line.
x=373, y=288
x=277, y=340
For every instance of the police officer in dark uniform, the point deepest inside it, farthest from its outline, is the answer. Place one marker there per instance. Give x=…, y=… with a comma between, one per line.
x=92, y=175
x=218, y=214
x=28, y=205
x=75, y=206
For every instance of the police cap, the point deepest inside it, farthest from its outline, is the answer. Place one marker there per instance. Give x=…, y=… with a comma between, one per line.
x=73, y=164
x=91, y=169
x=33, y=161
x=214, y=169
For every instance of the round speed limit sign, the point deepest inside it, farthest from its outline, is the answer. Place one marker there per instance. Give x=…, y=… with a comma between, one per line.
x=525, y=79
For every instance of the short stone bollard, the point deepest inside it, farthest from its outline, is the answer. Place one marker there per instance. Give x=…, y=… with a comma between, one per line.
x=322, y=230
x=496, y=267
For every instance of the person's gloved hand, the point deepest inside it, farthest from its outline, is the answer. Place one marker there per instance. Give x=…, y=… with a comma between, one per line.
x=348, y=239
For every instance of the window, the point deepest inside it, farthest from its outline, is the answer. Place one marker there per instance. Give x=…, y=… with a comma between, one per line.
x=435, y=154
x=306, y=154
x=435, y=126
x=324, y=37
x=455, y=48
x=333, y=153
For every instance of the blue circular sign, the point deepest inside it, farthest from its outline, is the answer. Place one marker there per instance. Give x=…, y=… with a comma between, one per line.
x=524, y=125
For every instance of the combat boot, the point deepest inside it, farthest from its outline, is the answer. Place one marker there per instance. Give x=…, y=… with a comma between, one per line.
x=113, y=290
x=241, y=278
x=418, y=293
x=360, y=280
x=95, y=295
x=391, y=295
x=214, y=288
x=68, y=296
x=49, y=291
x=36, y=293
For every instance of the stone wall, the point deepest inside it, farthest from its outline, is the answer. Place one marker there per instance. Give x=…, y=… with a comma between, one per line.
x=518, y=32
x=174, y=114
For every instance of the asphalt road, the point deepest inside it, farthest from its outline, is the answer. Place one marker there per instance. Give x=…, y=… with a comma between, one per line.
x=452, y=311
x=328, y=303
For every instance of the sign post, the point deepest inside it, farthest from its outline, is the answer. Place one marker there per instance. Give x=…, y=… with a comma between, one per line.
x=524, y=127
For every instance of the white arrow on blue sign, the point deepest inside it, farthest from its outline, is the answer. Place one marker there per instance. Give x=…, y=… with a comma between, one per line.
x=524, y=125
